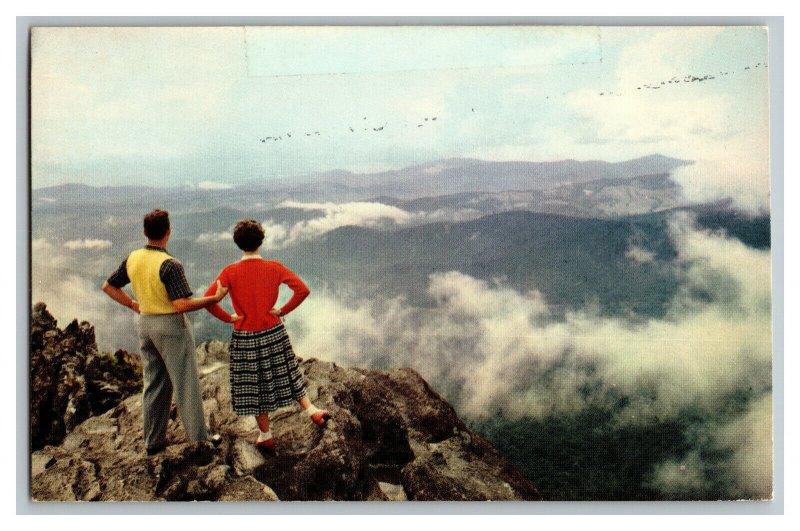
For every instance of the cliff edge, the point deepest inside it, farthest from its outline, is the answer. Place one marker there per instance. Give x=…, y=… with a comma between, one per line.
x=391, y=437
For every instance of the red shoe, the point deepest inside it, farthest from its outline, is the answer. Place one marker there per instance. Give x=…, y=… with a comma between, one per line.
x=320, y=417
x=267, y=445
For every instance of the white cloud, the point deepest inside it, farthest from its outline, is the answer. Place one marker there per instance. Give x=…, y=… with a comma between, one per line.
x=446, y=214
x=210, y=237
x=735, y=168
x=275, y=235
x=358, y=214
x=683, y=478
x=212, y=185
x=40, y=244
x=69, y=295
x=657, y=54
x=335, y=215
x=751, y=441
x=654, y=118
x=639, y=255
x=73, y=245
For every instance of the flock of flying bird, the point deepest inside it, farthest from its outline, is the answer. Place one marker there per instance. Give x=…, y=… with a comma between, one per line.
x=689, y=78
x=275, y=138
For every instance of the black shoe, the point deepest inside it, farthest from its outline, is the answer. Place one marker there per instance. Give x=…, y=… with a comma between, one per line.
x=215, y=439
x=153, y=450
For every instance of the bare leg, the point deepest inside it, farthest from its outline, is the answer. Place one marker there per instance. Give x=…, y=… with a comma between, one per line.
x=264, y=440
x=263, y=422
x=317, y=416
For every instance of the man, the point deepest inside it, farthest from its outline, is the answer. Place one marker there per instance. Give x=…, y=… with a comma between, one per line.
x=162, y=298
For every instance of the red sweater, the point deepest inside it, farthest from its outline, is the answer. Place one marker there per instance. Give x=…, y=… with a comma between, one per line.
x=253, y=287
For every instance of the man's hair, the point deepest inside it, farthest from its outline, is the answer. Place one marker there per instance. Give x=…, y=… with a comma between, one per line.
x=156, y=224
x=248, y=235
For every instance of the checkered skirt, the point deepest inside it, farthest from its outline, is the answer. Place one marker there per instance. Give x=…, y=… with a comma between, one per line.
x=264, y=371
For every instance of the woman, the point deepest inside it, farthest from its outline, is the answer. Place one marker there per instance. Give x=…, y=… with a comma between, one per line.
x=264, y=373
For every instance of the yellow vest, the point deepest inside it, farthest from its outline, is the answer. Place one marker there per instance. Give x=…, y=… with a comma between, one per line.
x=143, y=266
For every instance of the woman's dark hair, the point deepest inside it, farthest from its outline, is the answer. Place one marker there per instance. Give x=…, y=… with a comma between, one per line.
x=248, y=235
x=156, y=224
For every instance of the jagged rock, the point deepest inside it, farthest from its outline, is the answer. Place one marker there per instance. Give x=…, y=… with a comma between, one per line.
x=210, y=352
x=70, y=380
x=393, y=492
x=449, y=471
x=70, y=479
x=193, y=473
x=247, y=488
x=391, y=437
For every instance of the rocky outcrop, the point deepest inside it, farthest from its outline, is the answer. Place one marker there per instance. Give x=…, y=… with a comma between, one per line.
x=391, y=437
x=71, y=381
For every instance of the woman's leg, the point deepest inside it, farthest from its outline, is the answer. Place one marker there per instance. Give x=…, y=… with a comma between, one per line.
x=263, y=422
x=265, y=440
x=318, y=416
x=304, y=402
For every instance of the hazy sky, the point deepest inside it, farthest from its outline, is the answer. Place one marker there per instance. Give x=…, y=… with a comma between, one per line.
x=170, y=106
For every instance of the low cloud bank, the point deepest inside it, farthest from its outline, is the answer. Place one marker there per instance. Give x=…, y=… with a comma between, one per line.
x=361, y=214
x=737, y=169
x=486, y=346
x=335, y=215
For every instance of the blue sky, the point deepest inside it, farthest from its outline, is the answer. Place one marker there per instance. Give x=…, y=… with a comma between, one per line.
x=176, y=106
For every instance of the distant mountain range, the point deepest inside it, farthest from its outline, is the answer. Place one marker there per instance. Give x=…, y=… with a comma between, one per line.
x=599, y=198
x=452, y=176
x=563, y=228
x=443, y=177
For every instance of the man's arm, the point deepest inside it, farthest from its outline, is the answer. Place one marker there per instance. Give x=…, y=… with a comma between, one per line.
x=189, y=305
x=113, y=287
x=120, y=296
x=215, y=309
x=179, y=292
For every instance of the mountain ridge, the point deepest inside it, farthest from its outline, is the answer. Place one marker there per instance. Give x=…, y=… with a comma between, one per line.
x=656, y=162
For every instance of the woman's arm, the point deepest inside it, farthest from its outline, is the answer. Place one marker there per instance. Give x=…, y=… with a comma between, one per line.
x=299, y=288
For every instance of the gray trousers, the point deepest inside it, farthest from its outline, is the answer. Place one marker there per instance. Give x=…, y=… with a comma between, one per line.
x=168, y=359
